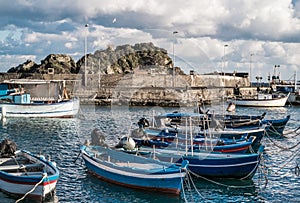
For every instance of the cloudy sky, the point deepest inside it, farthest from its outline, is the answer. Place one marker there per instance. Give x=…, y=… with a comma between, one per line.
x=259, y=33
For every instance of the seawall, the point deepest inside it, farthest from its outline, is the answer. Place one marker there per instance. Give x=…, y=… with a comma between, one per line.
x=145, y=89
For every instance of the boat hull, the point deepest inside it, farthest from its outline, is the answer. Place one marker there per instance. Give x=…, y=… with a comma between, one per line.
x=166, y=182
x=55, y=110
x=214, y=165
x=276, y=126
x=44, y=183
x=241, y=167
x=276, y=102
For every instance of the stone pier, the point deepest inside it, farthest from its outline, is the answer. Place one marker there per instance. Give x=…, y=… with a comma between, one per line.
x=145, y=89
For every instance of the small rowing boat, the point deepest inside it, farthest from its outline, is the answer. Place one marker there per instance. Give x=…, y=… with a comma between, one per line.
x=134, y=171
x=25, y=174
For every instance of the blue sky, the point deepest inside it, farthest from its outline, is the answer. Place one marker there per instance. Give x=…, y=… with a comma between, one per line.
x=265, y=32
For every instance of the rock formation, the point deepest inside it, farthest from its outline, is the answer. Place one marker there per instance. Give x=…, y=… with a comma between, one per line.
x=120, y=60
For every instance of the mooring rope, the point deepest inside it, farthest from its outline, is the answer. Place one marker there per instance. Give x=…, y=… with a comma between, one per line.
x=281, y=147
x=194, y=186
x=274, y=131
x=289, y=160
x=263, y=172
x=189, y=182
x=183, y=191
x=292, y=132
x=218, y=183
x=30, y=191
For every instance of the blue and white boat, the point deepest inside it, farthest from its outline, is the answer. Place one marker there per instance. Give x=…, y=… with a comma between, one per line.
x=26, y=174
x=36, y=98
x=134, y=171
x=211, y=164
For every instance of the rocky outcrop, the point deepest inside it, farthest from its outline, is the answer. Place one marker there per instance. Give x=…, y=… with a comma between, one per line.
x=27, y=67
x=61, y=64
x=126, y=58
x=119, y=60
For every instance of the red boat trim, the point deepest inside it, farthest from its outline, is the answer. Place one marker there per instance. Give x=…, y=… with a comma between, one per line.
x=28, y=183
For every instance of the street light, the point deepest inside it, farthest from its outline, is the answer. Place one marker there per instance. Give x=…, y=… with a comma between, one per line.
x=85, y=52
x=223, y=66
x=175, y=32
x=251, y=54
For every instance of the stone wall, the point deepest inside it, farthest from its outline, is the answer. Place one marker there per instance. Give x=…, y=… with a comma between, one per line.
x=144, y=89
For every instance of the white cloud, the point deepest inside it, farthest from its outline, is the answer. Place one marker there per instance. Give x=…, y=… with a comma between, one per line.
x=269, y=29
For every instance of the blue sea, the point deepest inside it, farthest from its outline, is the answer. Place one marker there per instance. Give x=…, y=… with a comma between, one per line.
x=276, y=180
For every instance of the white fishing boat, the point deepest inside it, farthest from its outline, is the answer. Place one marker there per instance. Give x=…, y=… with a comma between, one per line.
x=24, y=174
x=36, y=98
x=263, y=100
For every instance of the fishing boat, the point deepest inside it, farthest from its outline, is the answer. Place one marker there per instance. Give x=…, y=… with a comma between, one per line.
x=226, y=122
x=285, y=87
x=276, y=126
x=213, y=164
x=134, y=171
x=262, y=100
x=175, y=125
x=205, y=163
x=26, y=174
x=36, y=98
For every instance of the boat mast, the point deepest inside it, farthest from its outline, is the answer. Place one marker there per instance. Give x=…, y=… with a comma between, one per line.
x=295, y=80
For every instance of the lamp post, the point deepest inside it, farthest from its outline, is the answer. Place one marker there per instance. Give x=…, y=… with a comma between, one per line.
x=250, y=71
x=223, y=66
x=99, y=76
x=85, y=52
x=175, y=32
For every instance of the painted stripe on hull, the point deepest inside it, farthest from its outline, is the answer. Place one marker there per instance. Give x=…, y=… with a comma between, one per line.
x=21, y=189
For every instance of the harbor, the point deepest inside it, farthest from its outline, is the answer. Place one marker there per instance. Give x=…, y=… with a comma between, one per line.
x=268, y=184
x=149, y=101
x=154, y=155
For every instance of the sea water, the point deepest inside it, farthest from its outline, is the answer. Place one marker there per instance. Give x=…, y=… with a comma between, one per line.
x=276, y=180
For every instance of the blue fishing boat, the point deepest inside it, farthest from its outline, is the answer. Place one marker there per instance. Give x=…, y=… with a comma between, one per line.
x=134, y=171
x=213, y=164
x=223, y=145
x=26, y=174
x=276, y=126
x=163, y=137
x=227, y=121
x=228, y=145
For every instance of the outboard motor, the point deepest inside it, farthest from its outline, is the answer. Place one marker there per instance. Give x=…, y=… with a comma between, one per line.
x=143, y=122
